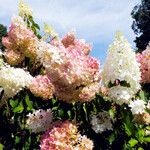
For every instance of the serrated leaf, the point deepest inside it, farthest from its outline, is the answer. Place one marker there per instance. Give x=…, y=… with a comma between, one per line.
x=133, y=142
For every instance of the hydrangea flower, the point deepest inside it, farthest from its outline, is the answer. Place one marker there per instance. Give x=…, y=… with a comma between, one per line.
x=137, y=106
x=144, y=59
x=101, y=122
x=65, y=136
x=70, y=67
x=13, y=57
x=19, y=39
x=41, y=86
x=40, y=120
x=12, y=80
x=121, y=71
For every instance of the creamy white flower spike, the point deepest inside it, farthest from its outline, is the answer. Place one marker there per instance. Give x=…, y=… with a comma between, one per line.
x=121, y=71
x=137, y=106
x=24, y=9
x=12, y=80
x=40, y=120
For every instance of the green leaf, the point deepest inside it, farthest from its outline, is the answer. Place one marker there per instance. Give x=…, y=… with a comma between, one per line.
x=36, y=26
x=133, y=142
x=55, y=108
x=129, y=125
x=1, y=146
x=53, y=101
x=85, y=111
x=60, y=113
x=17, y=140
x=29, y=103
x=111, y=138
x=140, y=148
x=140, y=134
x=13, y=103
x=147, y=139
x=142, y=95
x=19, y=108
x=148, y=127
x=127, y=130
x=69, y=113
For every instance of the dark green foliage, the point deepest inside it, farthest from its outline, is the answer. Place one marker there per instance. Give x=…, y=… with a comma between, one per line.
x=141, y=24
x=3, y=32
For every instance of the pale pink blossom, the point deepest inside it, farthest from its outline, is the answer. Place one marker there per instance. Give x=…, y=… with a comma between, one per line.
x=20, y=38
x=41, y=86
x=144, y=59
x=65, y=136
x=70, y=68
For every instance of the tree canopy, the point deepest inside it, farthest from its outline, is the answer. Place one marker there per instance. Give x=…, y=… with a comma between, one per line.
x=141, y=24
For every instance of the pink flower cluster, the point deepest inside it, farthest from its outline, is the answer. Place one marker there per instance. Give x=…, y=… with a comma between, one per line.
x=65, y=136
x=20, y=42
x=74, y=73
x=144, y=59
x=41, y=86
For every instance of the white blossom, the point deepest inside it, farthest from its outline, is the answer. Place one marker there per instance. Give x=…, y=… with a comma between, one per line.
x=24, y=9
x=101, y=122
x=12, y=80
x=137, y=106
x=40, y=120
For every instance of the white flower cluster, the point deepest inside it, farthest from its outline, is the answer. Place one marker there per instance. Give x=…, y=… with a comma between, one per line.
x=121, y=66
x=24, y=9
x=40, y=120
x=101, y=122
x=137, y=106
x=12, y=80
x=120, y=94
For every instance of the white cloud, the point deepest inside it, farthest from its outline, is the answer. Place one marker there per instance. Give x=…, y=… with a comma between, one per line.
x=94, y=20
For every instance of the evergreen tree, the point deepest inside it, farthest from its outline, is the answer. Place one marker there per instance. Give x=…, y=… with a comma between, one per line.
x=141, y=24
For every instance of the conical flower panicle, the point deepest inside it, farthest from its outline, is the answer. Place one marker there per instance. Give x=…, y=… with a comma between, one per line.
x=121, y=71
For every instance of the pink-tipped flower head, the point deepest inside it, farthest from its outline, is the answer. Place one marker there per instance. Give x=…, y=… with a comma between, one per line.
x=20, y=38
x=144, y=60
x=65, y=136
x=41, y=86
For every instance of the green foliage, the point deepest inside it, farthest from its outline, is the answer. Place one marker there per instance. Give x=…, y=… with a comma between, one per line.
x=3, y=32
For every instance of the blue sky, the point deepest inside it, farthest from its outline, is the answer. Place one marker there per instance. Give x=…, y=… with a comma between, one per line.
x=96, y=21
